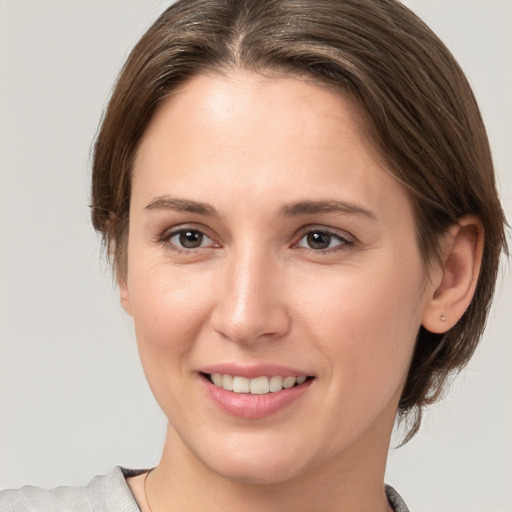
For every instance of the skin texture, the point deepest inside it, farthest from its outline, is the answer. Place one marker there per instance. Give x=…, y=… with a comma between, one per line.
x=255, y=292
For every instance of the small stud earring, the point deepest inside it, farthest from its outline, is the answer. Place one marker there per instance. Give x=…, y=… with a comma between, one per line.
x=443, y=318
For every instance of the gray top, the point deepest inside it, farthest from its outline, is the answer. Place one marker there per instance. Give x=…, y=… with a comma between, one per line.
x=106, y=493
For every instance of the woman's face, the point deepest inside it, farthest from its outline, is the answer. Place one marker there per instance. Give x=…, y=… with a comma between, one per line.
x=265, y=243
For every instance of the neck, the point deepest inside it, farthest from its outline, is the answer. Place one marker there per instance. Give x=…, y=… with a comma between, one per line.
x=350, y=481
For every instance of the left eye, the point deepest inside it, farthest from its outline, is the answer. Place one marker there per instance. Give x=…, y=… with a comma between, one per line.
x=190, y=239
x=321, y=240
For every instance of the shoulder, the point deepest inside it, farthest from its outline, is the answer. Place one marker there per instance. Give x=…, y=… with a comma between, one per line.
x=104, y=493
x=395, y=500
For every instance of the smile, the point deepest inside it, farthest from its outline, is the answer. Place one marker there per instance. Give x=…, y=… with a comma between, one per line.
x=256, y=386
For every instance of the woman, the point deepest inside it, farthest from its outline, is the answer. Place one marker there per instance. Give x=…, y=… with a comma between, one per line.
x=300, y=205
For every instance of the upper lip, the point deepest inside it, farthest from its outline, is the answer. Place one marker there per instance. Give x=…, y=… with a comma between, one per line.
x=254, y=370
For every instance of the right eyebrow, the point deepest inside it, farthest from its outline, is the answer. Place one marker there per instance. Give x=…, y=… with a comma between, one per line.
x=181, y=205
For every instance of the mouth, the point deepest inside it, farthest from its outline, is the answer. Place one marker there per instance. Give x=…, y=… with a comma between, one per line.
x=261, y=385
x=255, y=391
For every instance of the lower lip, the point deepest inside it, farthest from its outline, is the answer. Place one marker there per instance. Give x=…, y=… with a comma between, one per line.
x=245, y=405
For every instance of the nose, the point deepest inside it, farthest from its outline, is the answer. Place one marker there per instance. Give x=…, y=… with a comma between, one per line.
x=251, y=303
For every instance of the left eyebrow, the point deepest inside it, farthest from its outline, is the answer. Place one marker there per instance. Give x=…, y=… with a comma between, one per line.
x=327, y=206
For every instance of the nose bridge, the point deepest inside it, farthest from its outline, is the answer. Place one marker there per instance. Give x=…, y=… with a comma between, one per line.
x=250, y=304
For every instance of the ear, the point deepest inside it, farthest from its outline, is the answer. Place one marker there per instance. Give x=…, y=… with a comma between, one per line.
x=124, y=295
x=121, y=266
x=455, y=277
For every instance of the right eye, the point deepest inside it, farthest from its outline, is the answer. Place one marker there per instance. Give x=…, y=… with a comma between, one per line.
x=188, y=239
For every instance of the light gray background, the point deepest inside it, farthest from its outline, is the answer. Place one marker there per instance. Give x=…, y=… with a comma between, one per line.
x=73, y=399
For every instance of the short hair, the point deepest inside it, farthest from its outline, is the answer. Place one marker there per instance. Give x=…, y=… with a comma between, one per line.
x=420, y=117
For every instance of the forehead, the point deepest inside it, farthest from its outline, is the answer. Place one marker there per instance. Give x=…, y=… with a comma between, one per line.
x=248, y=135
x=251, y=106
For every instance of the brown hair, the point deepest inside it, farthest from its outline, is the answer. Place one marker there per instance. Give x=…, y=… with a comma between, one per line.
x=421, y=116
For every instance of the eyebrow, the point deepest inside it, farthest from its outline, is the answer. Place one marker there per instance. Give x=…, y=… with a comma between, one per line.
x=180, y=205
x=305, y=207
x=328, y=206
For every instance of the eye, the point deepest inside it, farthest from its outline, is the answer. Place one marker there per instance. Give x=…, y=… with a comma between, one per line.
x=322, y=240
x=188, y=239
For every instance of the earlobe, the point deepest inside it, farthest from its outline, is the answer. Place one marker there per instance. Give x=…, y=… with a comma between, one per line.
x=450, y=296
x=124, y=296
x=116, y=246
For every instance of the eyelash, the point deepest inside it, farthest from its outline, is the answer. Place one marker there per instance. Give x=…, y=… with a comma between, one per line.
x=167, y=235
x=346, y=241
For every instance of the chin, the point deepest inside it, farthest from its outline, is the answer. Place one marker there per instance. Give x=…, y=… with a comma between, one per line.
x=258, y=465
x=270, y=473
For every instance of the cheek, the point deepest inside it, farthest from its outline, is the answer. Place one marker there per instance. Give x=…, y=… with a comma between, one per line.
x=165, y=302
x=366, y=324
x=169, y=310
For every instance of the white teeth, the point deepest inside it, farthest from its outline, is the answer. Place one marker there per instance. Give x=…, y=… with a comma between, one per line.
x=240, y=385
x=257, y=386
x=289, y=382
x=227, y=382
x=276, y=383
